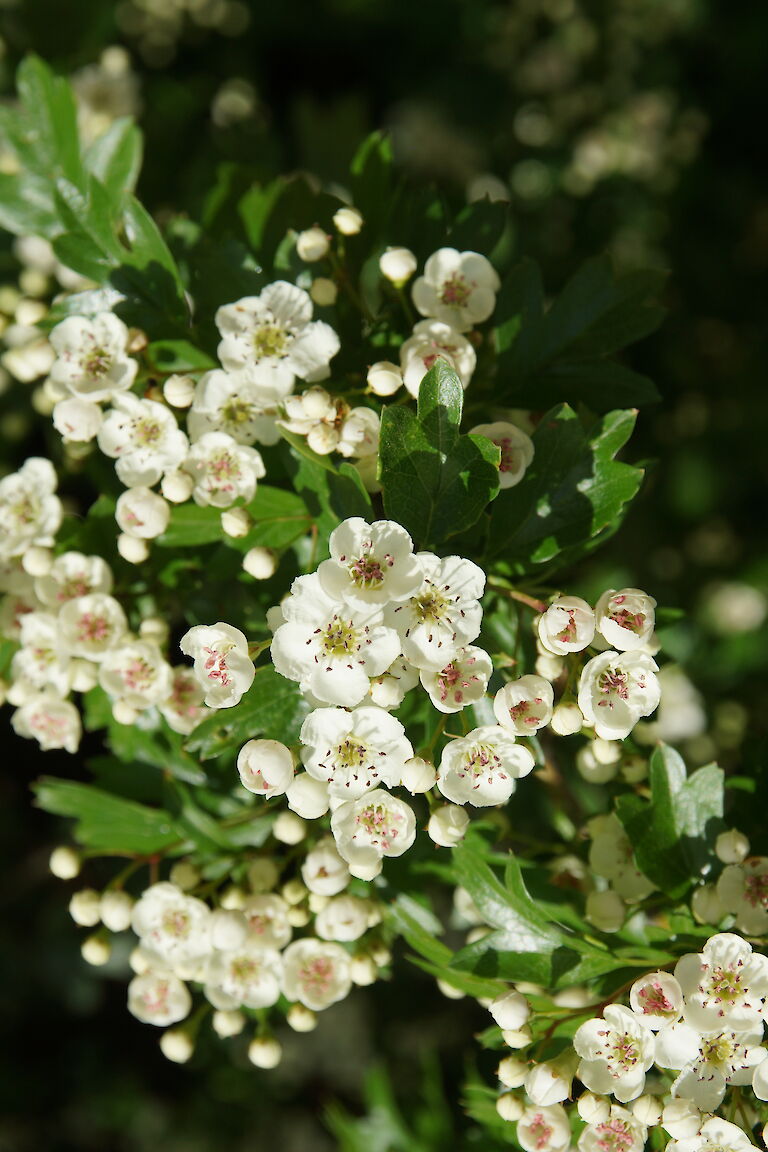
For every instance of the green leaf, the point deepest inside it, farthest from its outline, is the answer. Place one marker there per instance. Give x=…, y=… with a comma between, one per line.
x=115, y=158
x=572, y=496
x=178, y=356
x=272, y=707
x=105, y=823
x=435, y=481
x=190, y=525
x=672, y=833
x=49, y=104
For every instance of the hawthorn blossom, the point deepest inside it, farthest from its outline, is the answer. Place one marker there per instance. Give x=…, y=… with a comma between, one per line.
x=142, y=514
x=359, y=434
x=137, y=674
x=324, y=871
x=316, y=973
x=447, y=825
x=183, y=708
x=370, y=563
x=445, y=613
x=223, y=470
x=246, y=976
x=158, y=997
x=709, y=1061
x=743, y=890
x=91, y=625
x=53, y=722
x=658, y=999
x=626, y=619
x=222, y=664
x=354, y=751
x=724, y=985
x=568, y=625
x=390, y=688
x=616, y=1051
x=461, y=682
x=344, y=918
x=432, y=340
x=265, y=767
x=482, y=767
x=143, y=438
x=42, y=660
x=172, y=925
x=620, y=1132
x=616, y=689
x=78, y=421
x=516, y=448
x=332, y=649
x=242, y=404
x=374, y=826
x=715, y=1135
x=92, y=360
x=458, y=288
x=72, y=574
x=30, y=512
x=266, y=917
x=275, y=333
x=524, y=705
x=544, y=1129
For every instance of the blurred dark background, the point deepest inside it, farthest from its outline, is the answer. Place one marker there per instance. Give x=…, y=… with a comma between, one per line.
x=622, y=125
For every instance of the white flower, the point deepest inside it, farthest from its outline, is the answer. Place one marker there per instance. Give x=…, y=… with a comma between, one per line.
x=516, y=450
x=458, y=288
x=307, y=797
x=144, y=438
x=222, y=664
x=621, y=1132
x=481, y=768
x=626, y=619
x=611, y=856
x=142, y=514
x=348, y=221
x=445, y=613
x=716, y=1135
x=30, y=513
x=616, y=689
x=343, y=918
x=370, y=563
x=323, y=292
x=312, y=244
x=390, y=689
x=430, y=341
x=91, y=357
x=510, y=1010
x=524, y=705
x=354, y=751
x=137, y=674
x=743, y=890
x=266, y=916
x=240, y=403
x=247, y=976
x=680, y=1118
x=708, y=1061
x=223, y=470
x=544, y=1129
x=568, y=625
x=760, y=1080
x=91, y=625
x=172, y=925
x=77, y=420
x=397, y=265
x=448, y=825
x=732, y=847
x=331, y=649
x=359, y=433
x=158, y=998
x=53, y=722
x=461, y=682
x=183, y=708
x=418, y=776
x=274, y=331
x=657, y=998
x=318, y=416
x=616, y=1052
x=376, y=825
x=724, y=985
x=384, y=378
x=265, y=767
x=315, y=973
x=324, y=871
x=42, y=660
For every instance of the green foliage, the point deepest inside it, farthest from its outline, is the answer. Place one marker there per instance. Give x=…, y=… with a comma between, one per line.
x=436, y=482
x=572, y=497
x=107, y=824
x=273, y=707
x=672, y=832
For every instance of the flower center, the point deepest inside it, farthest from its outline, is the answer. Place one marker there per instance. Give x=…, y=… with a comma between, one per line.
x=622, y=1053
x=756, y=889
x=137, y=674
x=216, y=665
x=97, y=363
x=614, y=1136
x=457, y=290
x=373, y=821
x=317, y=975
x=723, y=984
x=146, y=432
x=237, y=411
x=270, y=339
x=176, y=923
x=540, y=1130
x=339, y=638
x=91, y=628
x=716, y=1049
x=431, y=606
x=653, y=1000
x=224, y=470
x=613, y=683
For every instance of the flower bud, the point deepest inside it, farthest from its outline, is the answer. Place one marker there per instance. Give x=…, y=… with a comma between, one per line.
x=706, y=906
x=184, y=875
x=566, y=719
x=179, y=391
x=647, y=1109
x=549, y=667
x=681, y=1119
x=115, y=908
x=307, y=797
x=142, y=514
x=154, y=628
x=236, y=522
x=312, y=244
x=265, y=767
x=606, y=751
x=510, y=1010
x=177, y=1045
x=265, y=1052
x=37, y=561
x=516, y=1037
x=384, y=378
x=593, y=1109
x=84, y=907
x=83, y=675
x=293, y=892
x=289, y=828
x=232, y=897
x=229, y=929
x=512, y=1072
x=263, y=875
x=418, y=775
x=298, y=917
x=230, y=1023
x=364, y=971
x=590, y=767
x=634, y=769
x=64, y=862
x=260, y=563
x=550, y=1083
x=177, y=487
x=447, y=825
x=450, y=991
x=132, y=549
x=323, y=291
x=605, y=910
x=732, y=847
x=301, y=1019
x=348, y=221
x=140, y=960
x=397, y=265
x=123, y=713
x=96, y=950
x=509, y=1107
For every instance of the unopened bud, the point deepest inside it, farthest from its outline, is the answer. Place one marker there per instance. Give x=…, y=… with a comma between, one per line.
x=179, y=391
x=64, y=862
x=348, y=221
x=384, y=378
x=323, y=291
x=312, y=245
x=177, y=1045
x=397, y=265
x=236, y=522
x=260, y=563
x=265, y=1052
